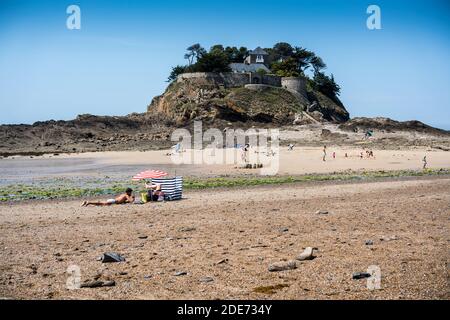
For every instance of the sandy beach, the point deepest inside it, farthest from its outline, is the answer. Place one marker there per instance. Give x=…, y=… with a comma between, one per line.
x=230, y=237
x=124, y=164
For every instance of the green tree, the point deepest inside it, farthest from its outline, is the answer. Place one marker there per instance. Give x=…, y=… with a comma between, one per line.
x=326, y=85
x=194, y=52
x=214, y=61
x=283, y=49
x=317, y=64
x=286, y=68
x=235, y=54
x=217, y=48
x=177, y=70
x=304, y=57
x=261, y=71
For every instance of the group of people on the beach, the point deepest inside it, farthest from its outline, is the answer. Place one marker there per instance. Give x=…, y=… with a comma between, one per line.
x=369, y=154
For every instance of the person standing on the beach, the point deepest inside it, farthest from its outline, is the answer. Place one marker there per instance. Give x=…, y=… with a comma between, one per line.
x=424, y=162
x=324, y=153
x=334, y=155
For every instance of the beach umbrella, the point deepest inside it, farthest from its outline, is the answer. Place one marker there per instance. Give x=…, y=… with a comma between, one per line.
x=149, y=174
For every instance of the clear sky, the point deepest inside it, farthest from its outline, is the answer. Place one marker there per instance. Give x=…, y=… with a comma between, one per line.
x=121, y=57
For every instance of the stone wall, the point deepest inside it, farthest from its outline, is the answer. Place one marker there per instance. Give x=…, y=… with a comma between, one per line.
x=226, y=79
x=235, y=80
x=272, y=80
x=295, y=84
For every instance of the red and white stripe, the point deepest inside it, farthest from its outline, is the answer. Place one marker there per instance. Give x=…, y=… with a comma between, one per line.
x=149, y=174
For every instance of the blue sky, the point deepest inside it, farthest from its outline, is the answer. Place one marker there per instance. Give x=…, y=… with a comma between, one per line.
x=122, y=55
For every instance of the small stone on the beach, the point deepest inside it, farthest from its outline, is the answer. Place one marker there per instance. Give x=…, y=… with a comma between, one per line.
x=284, y=229
x=222, y=261
x=206, y=279
x=361, y=275
x=187, y=229
x=142, y=237
x=180, y=273
x=147, y=277
x=307, y=254
x=369, y=242
x=92, y=284
x=110, y=283
x=321, y=212
x=282, y=266
x=112, y=257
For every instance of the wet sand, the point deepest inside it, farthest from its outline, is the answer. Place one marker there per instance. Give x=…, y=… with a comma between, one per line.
x=123, y=165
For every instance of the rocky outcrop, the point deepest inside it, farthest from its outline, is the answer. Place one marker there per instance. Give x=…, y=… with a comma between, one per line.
x=86, y=133
x=361, y=124
x=199, y=99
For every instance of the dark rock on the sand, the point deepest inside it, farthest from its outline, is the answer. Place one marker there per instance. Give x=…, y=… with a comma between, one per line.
x=307, y=254
x=361, y=275
x=284, y=229
x=321, y=212
x=282, y=266
x=206, y=279
x=369, y=242
x=98, y=284
x=110, y=257
x=180, y=273
x=92, y=284
x=142, y=237
x=149, y=276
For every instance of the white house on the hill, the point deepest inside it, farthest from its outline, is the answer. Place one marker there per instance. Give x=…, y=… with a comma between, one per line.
x=256, y=60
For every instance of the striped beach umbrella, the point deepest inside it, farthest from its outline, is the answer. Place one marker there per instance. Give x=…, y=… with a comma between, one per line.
x=149, y=174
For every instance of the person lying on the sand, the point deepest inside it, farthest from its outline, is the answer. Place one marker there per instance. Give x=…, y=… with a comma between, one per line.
x=126, y=197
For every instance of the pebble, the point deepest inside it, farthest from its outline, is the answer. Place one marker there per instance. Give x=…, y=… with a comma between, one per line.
x=369, y=242
x=187, y=229
x=222, y=261
x=98, y=284
x=307, y=254
x=180, y=273
x=111, y=257
x=321, y=212
x=282, y=266
x=206, y=279
x=361, y=275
